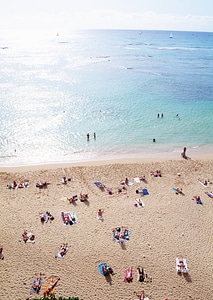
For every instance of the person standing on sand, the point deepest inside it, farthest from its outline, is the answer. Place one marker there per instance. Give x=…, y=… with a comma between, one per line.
x=183, y=154
x=87, y=136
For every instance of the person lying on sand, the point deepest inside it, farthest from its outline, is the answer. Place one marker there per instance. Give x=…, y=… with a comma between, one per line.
x=63, y=249
x=36, y=286
x=100, y=214
x=140, y=295
x=204, y=182
x=197, y=199
x=73, y=199
x=84, y=197
x=210, y=194
x=179, y=191
x=157, y=173
x=28, y=237
x=139, y=202
x=180, y=262
x=107, y=270
x=52, y=285
x=141, y=275
x=1, y=253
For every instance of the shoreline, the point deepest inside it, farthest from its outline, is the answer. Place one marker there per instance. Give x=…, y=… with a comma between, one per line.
x=100, y=162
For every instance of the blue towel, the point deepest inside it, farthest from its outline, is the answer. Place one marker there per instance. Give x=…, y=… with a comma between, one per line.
x=145, y=192
x=100, y=268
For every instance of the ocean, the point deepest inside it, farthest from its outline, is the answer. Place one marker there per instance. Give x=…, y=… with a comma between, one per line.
x=55, y=88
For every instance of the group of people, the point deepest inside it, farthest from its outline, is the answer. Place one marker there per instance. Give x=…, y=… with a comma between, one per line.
x=88, y=136
x=45, y=217
x=156, y=173
x=120, y=234
x=42, y=185
x=14, y=184
x=64, y=179
x=68, y=218
x=28, y=237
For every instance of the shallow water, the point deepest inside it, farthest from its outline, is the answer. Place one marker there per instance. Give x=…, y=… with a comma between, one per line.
x=56, y=89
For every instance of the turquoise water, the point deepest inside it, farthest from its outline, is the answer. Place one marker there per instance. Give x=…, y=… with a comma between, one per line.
x=56, y=89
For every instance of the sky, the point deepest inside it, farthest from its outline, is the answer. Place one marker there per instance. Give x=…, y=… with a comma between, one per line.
x=65, y=15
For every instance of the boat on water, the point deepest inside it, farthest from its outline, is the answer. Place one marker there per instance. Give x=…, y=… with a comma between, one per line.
x=171, y=35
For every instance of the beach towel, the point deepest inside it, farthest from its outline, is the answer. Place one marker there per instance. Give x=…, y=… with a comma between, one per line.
x=69, y=218
x=51, y=284
x=204, y=185
x=36, y=282
x=128, y=275
x=59, y=255
x=100, y=268
x=145, y=192
x=139, y=203
x=178, y=268
x=137, y=179
x=119, y=237
x=99, y=184
x=199, y=201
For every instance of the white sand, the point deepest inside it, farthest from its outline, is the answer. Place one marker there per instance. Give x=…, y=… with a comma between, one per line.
x=168, y=225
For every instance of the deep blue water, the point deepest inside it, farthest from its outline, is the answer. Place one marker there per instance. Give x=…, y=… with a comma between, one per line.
x=56, y=89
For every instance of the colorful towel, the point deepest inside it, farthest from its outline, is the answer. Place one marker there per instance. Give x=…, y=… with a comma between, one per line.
x=99, y=184
x=128, y=275
x=100, y=268
x=50, y=287
x=69, y=218
x=119, y=236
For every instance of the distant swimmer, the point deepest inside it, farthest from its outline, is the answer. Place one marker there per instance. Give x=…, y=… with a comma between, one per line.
x=161, y=115
x=158, y=115
x=154, y=140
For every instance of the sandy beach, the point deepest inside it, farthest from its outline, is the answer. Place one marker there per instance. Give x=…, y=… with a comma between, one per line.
x=168, y=225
